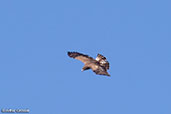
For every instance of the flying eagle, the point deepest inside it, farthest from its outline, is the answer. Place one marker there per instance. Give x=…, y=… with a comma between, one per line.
x=99, y=65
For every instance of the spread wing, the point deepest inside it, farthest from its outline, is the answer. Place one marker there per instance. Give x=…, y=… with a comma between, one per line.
x=103, y=61
x=101, y=71
x=98, y=69
x=79, y=56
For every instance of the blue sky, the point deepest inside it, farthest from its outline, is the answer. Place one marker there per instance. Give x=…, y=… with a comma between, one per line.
x=37, y=74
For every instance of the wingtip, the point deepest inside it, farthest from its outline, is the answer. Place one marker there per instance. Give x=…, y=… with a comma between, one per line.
x=108, y=74
x=69, y=53
x=73, y=54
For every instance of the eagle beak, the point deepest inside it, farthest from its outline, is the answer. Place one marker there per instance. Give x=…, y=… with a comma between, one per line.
x=82, y=70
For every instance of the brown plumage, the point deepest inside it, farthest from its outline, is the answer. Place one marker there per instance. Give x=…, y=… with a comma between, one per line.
x=99, y=65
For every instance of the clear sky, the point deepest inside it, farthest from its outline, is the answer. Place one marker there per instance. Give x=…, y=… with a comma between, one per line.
x=36, y=73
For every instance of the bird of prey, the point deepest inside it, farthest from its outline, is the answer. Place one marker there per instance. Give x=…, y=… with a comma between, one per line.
x=100, y=65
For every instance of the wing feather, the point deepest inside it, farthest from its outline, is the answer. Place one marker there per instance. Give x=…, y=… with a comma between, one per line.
x=103, y=61
x=79, y=56
x=98, y=69
x=101, y=71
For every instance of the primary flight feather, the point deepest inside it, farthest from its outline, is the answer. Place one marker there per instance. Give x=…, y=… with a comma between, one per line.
x=100, y=65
